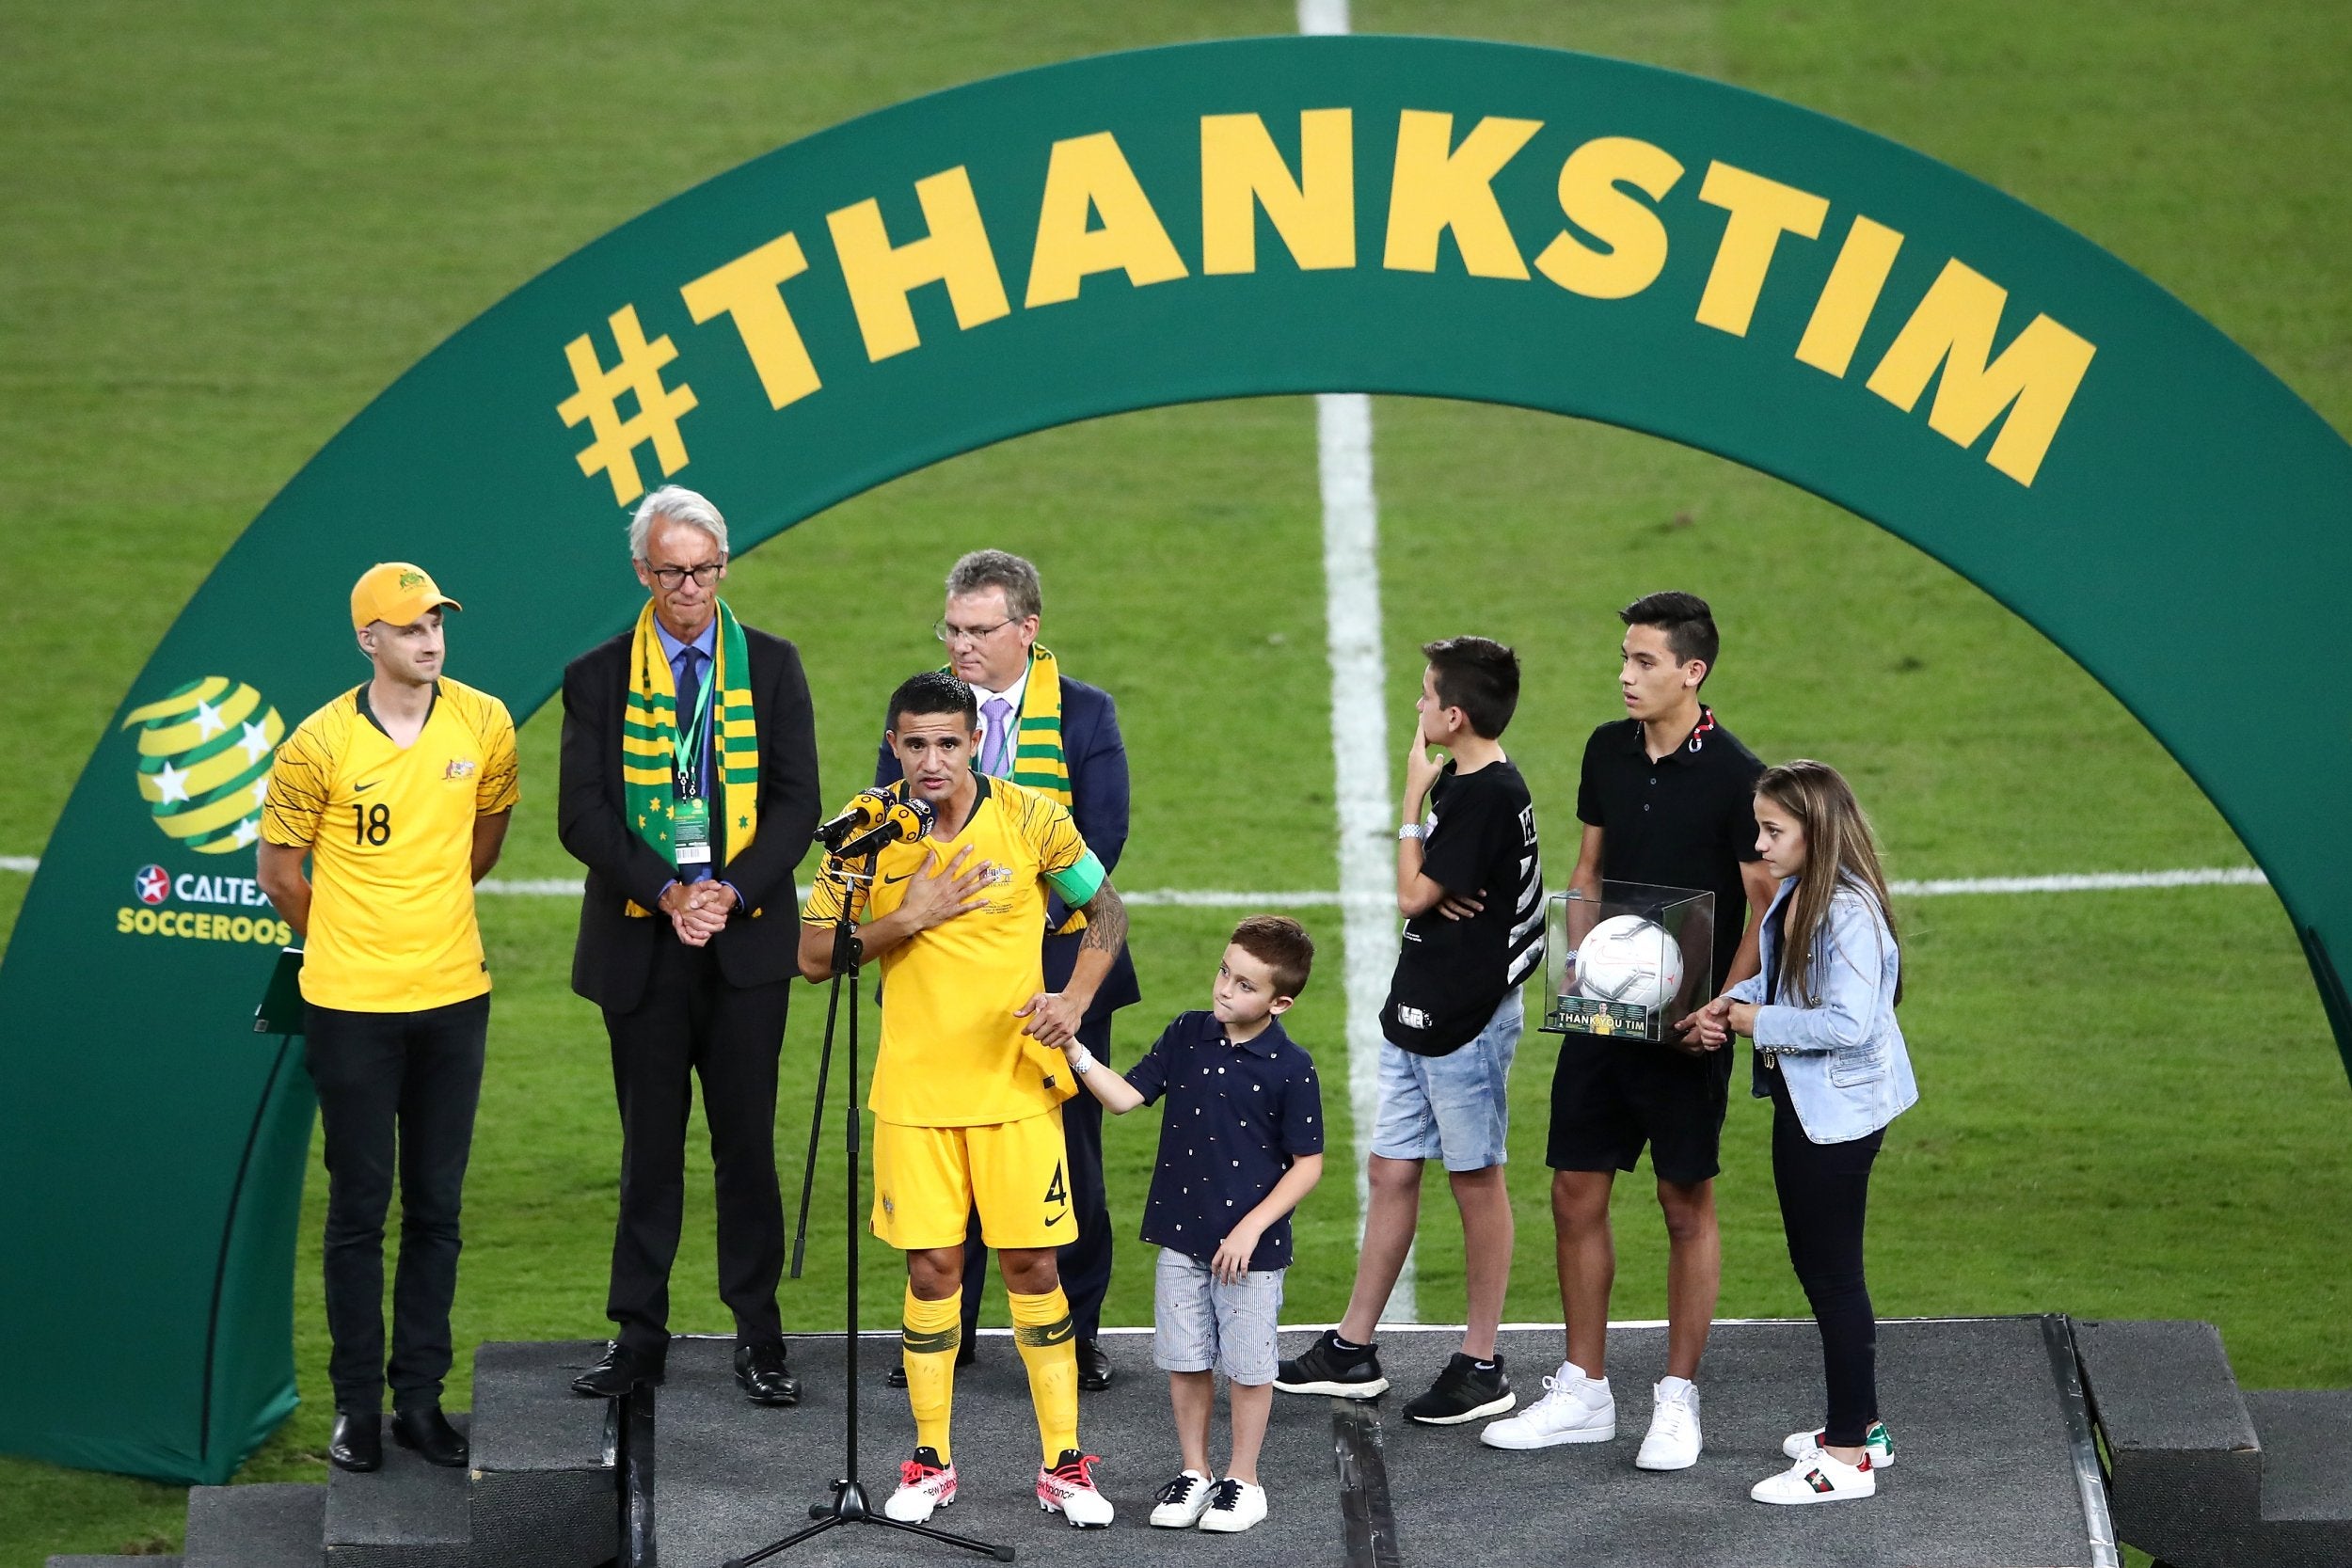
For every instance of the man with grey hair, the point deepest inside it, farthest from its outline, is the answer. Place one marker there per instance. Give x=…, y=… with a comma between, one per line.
x=1044, y=730
x=690, y=791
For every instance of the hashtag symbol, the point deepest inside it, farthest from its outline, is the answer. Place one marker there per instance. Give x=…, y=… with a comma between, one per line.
x=659, y=408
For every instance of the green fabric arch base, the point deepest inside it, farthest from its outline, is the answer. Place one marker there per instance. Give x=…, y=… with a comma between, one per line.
x=1277, y=215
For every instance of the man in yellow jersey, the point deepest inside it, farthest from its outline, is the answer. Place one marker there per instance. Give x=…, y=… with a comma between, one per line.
x=399, y=792
x=970, y=1076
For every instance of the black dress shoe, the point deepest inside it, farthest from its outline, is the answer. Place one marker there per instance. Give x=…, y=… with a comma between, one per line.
x=617, y=1371
x=967, y=1354
x=759, y=1371
x=359, y=1441
x=427, y=1431
x=1094, y=1367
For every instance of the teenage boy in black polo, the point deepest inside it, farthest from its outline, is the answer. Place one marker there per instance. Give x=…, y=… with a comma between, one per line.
x=1666, y=797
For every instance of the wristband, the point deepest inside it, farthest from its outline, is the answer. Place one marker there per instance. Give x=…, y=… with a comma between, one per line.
x=1082, y=1060
x=1410, y=829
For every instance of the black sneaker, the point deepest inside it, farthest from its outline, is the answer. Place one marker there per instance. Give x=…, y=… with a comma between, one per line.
x=1464, y=1391
x=1327, y=1368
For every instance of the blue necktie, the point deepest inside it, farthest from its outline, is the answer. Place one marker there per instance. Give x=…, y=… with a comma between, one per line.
x=690, y=692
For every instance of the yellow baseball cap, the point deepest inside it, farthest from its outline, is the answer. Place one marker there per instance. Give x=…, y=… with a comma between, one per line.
x=396, y=593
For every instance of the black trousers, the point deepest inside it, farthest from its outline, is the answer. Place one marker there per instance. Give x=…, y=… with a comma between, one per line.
x=397, y=1094
x=690, y=1024
x=1824, y=1192
x=1085, y=1263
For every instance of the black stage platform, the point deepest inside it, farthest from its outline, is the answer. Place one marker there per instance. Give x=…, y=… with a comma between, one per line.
x=1994, y=1463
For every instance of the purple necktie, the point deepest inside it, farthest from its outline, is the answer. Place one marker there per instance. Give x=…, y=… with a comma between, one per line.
x=996, y=753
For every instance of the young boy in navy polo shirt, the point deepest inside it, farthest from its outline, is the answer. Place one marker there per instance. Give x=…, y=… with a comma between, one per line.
x=1241, y=1143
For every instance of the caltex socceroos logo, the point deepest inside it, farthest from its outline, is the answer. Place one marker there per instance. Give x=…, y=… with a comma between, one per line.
x=204, y=755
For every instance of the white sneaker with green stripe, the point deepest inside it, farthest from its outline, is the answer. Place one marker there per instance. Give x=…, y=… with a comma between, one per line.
x=1878, y=1443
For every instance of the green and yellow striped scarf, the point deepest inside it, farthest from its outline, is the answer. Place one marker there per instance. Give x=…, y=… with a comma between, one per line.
x=649, y=736
x=1038, y=760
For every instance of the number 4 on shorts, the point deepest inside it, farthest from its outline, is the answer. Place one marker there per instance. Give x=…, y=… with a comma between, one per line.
x=1055, y=1192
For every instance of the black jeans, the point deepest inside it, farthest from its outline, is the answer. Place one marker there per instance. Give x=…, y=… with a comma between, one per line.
x=692, y=1024
x=1085, y=1264
x=1824, y=1191
x=397, y=1093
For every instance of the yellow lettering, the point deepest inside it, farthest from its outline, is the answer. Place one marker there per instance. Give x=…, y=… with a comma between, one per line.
x=2034, y=378
x=1761, y=211
x=1632, y=237
x=122, y=922
x=749, y=289
x=285, y=935
x=204, y=925
x=241, y=929
x=1241, y=171
x=1850, y=296
x=1437, y=186
x=1087, y=177
x=955, y=252
x=143, y=922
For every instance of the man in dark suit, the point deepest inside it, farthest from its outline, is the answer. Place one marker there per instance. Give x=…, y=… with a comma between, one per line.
x=1041, y=729
x=690, y=822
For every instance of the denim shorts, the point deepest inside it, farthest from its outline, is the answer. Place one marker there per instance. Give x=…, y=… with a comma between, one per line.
x=1200, y=1325
x=1455, y=1107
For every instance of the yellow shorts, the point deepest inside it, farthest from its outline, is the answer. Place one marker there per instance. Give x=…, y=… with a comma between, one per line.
x=928, y=1180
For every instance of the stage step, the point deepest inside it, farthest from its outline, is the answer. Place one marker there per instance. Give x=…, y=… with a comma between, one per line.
x=2205, y=1474
x=539, y=1493
x=274, y=1525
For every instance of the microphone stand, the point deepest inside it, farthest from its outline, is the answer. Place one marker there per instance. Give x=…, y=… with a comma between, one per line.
x=849, y=1505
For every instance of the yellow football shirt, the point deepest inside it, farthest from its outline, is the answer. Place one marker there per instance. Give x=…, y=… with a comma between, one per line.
x=390, y=836
x=952, y=1054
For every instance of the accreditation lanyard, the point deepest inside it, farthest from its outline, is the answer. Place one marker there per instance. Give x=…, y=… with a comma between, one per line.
x=690, y=821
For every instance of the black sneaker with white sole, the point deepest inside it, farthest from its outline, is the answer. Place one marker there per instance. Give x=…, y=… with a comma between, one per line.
x=1464, y=1392
x=1347, y=1372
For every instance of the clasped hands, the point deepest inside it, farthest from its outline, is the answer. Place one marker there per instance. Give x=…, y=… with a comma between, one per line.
x=697, y=910
x=1711, y=1028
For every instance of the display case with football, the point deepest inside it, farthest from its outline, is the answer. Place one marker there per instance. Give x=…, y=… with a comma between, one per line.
x=1631, y=963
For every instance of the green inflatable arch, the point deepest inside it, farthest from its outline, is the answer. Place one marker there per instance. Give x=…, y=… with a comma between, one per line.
x=1279, y=215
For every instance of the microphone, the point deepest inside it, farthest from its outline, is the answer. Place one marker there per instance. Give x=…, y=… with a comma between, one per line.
x=866, y=808
x=905, y=822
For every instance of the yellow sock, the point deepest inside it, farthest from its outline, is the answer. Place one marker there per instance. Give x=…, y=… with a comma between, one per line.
x=1049, y=1348
x=928, y=1345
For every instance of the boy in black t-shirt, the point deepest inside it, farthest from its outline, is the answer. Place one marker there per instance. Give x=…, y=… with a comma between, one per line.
x=1471, y=886
x=1667, y=798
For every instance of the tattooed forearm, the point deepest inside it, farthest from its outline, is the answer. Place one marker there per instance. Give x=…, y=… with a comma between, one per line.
x=1106, y=920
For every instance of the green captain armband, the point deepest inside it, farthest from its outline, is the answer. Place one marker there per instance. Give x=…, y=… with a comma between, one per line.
x=1079, y=882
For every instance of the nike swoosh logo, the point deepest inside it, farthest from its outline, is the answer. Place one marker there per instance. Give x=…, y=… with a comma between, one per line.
x=899, y=877
x=361, y=789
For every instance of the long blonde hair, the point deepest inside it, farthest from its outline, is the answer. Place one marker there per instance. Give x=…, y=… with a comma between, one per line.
x=1839, y=850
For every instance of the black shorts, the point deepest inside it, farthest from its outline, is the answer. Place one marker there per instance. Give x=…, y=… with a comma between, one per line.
x=1610, y=1097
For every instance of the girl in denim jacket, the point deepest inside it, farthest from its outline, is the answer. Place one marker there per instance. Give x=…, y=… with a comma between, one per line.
x=1830, y=1057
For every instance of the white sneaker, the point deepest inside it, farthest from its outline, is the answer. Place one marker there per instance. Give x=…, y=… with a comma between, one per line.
x=1818, y=1477
x=1182, y=1502
x=1878, y=1443
x=1235, y=1506
x=1068, y=1489
x=1673, y=1442
x=925, y=1486
x=1574, y=1409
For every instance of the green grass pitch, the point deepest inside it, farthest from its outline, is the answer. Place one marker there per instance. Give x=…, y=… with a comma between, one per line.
x=231, y=223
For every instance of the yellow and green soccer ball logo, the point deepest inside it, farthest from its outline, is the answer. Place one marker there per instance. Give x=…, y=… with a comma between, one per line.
x=204, y=755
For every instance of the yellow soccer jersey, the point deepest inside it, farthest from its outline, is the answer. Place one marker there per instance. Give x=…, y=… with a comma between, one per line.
x=952, y=1052
x=390, y=836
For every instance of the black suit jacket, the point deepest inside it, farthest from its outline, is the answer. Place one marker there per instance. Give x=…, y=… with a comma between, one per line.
x=761, y=943
x=1097, y=757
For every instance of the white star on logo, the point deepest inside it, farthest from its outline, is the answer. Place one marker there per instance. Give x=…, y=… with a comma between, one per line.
x=171, y=786
x=246, y=833
x=208, y=721
x=261, y=792
x=254, y=742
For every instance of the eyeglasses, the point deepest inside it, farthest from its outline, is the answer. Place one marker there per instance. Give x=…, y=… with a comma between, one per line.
x=675, y=577
x=949, y=634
